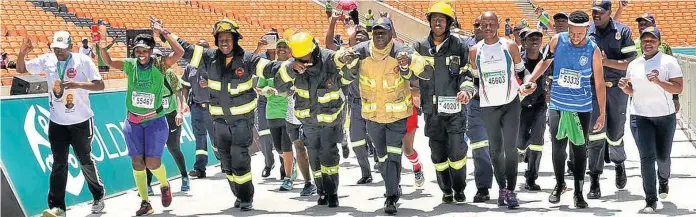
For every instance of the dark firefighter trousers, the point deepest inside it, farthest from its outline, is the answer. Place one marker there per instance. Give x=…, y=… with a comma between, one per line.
x=233, y=141
x=448, y=150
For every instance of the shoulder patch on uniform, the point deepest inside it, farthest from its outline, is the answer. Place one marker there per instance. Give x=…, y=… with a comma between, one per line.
x=618, y=36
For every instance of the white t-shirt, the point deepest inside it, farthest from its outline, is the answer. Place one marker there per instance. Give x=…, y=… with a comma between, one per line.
x=68, y=106
x=86, y=51
x=649, y=99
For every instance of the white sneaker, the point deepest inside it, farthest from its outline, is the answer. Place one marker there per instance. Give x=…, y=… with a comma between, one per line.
x=98, y=206
x=54, y=212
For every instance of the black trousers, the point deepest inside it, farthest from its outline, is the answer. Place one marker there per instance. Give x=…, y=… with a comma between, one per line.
x=322, y=149
x=502, y=126
x=233, y=141
x=61, y=138
x=531, y=137
x=558, y=147
x=388, y=141
x=448, y=150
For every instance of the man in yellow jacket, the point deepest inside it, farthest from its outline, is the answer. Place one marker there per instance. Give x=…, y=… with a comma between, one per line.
x=384, y=74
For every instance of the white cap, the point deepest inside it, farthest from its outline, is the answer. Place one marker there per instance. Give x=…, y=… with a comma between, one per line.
x=61, y=39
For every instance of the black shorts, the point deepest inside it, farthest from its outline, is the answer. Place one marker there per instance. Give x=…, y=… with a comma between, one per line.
x=294, y=131
x=281, y=140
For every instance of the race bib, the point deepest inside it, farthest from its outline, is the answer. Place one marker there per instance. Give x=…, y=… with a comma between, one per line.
x=448, y=104
x=165, y=102
x=494, y=79
x=569, y=78
x=143, y=100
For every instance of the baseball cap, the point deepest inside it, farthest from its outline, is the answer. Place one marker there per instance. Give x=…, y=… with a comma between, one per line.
x=143, y=44
x=560, y=15
x=518, y=28
x=529, y=32
x=651, y=30
x=61, y=39
x=282, y=41
x=523, y=32
x=384, y=23
x=601, y=5
x=647, y=17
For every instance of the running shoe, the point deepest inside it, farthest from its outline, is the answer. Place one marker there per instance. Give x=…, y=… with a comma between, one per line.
x=420, y=178
x=308, y=189
x=166, y=196
x=53, y=212
x=145, y=209
x=185, y=186
x=286, y=185
x=98, y=206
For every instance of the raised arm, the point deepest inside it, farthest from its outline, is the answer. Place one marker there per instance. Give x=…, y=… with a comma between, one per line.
x=176, y=47
x=24, y=50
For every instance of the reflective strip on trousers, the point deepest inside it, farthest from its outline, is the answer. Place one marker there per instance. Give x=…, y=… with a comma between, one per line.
x=265, y=132
x=329, y=170
x=214, y=85
x=316, y=174
x=479, y=144
x=615, y=143
x=382, y=159
x=239, y=179
x=439, y=167
x=201, y=152
x=538, y=148
x=358, y=143
x=597, y=137
x=457, y=165
x=394, y=150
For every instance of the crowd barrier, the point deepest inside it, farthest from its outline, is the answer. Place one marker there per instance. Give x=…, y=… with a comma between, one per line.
x=26, y=154
x=687, y=98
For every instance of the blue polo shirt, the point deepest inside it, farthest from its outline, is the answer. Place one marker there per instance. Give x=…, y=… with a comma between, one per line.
x=617, y=43
x=192, y=77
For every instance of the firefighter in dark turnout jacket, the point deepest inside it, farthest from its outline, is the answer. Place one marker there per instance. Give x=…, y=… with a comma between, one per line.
x=317, y=82
x=232, y=102
x=385, y=92
x=440, y=86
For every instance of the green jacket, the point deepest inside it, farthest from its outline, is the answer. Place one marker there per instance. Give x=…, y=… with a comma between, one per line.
x=276, y=106
x=664, y=48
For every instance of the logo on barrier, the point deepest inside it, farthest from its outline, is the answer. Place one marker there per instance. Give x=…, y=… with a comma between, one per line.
x=36, y=128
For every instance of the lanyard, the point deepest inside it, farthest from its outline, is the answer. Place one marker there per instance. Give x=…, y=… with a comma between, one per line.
x=61, y=70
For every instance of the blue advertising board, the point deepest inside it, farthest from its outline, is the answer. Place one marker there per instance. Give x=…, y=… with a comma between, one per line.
x=26, y=152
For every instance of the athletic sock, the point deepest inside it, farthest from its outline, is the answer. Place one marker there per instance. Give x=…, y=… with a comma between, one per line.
x=414, y=161
x=161, y=174
x=140, y=177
